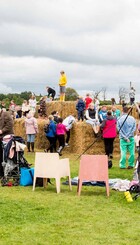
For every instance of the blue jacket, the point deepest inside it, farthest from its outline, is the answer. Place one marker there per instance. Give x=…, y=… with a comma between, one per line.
x=52, y=129
x=80, y=106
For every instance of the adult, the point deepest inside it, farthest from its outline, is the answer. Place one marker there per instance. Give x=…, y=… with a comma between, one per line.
x=62, y=85
x=88, y=100
x=31, y=127
x=132, y=95
x=109, y=133
x=6, y=127
x=51, y=92
x=126, y=125
x=68, y=122
x=92, y=118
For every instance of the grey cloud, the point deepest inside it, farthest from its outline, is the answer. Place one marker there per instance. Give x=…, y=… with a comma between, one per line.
x=95, y=42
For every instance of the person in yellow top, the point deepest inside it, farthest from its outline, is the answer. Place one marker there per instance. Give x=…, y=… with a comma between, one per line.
x=62, y=85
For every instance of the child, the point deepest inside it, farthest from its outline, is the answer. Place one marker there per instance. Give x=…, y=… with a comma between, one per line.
x=25, y=108
x=51, y=135
x=31, y=127
x=43, y=108
x=32, y=103
x=88, y=100
x=80, y=107
x=60, y=132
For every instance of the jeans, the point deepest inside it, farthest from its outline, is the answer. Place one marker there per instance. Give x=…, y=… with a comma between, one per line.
x=127, y=147
x=30, y=138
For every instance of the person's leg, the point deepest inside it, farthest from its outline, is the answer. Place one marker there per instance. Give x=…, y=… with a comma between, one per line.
x=61, y=139
x=28, y=142
x=54, y=144
x=51, y=144
x=82, y=115
x=79, y=115
x=61, y=94
x=131, y=150
x=63, y=90
x=53, y=95
x=106, y=144
x=111, y=143
x=32, y=141
x=63, y=97
x=68, y=136
x=123, y=149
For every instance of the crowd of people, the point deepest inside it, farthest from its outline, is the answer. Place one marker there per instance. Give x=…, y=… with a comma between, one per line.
x=105, y=123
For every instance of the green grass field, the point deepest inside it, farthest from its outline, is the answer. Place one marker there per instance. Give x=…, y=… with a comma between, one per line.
x=44, y=217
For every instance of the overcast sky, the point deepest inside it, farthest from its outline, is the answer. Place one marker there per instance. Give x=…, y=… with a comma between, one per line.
x=96, y=43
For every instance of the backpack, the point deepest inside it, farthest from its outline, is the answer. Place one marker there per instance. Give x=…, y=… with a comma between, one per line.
x=46, y=128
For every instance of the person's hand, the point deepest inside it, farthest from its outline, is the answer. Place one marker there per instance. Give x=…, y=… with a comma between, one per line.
x=0, y=131
x=127, y=140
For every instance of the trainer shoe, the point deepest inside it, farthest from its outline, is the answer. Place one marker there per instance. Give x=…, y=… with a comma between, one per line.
x=130, y=167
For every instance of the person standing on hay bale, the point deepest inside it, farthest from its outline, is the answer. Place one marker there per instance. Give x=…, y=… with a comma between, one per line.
x=132, y=95
x=62, y=85
x=80, y=107
x=51, y=92
x=88, y=100
x=32, y=103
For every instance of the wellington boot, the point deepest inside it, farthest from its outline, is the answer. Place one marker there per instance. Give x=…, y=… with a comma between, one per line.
x=28, y=146
x=32, y=146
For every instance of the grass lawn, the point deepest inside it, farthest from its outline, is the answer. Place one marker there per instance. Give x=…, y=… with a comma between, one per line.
x=44, y=217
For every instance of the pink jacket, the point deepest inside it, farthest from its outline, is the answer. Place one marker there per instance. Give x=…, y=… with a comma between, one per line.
x=60, y=129
x=31, y=125
x=109, y=130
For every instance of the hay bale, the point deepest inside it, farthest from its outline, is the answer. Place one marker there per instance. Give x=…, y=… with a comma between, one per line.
x=64, y=108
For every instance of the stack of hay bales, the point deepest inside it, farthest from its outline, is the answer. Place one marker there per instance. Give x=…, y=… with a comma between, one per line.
x=82, y=136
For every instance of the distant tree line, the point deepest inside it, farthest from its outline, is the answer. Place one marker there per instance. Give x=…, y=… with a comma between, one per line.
x=18, y=98
x=71, y=95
